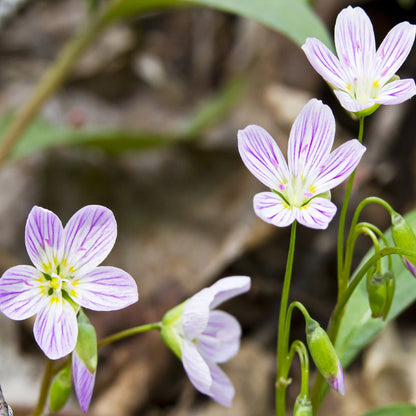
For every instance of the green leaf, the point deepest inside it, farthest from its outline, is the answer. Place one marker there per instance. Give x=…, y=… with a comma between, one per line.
x=293, y=18
x=398, y=409
x=358, y=328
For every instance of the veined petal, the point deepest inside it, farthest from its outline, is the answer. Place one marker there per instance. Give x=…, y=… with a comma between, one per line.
x=311, y=138
x=229, y=287
x=89, y=237
x=354, y=40
x=105, y=288
x=20, y=295
x=262, y=156
x=271, y=208
x=220, y=340
x=317, y=214
x=325, y=63
x=56, y=328
x=43, y=238
x=196, y=313
x=83, y=382
x=394, y=49
x=351, y=104
x=339, y=165
x=221, y=390
x=196, y=368
x=396, y=92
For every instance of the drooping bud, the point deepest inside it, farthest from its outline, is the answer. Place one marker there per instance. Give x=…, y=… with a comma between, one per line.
x=380, y=289
x=404, y=237
x=60, y=389
x=303, y=406
x=324, y=355
x=171, y=330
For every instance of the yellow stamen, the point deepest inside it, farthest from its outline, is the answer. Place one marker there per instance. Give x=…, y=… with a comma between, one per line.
x=55, y=283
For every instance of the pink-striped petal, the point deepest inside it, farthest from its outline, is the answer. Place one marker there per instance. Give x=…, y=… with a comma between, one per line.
x=84, y=382
x=396, y=92
x=354, y=40
x=311, y=138
x=317, y=214
x=56, y=328
x=271, y=208
x=20, y=295
x=196, y=367
x=351, y=104
x=220, y=340
x=394, y=50
x=43, y=238
x=221, y=390
x=325, y=63
x=105, y=288
x=195, y=315
x=229, y=287
x=262, y=156
x=339, y=165
x=89, y=237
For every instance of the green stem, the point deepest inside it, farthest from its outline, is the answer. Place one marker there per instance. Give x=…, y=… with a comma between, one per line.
x=300, y=348
x=342, y=282
x=44, y=388
x=129, y=332
x=318, y=391
x=282, y=339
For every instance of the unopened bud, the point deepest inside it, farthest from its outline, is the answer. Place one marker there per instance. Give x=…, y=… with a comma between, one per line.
x=404, y=237
x=303, y=406
x=324, y=355
x=60, y=390
x=380, y=288
x=86, y=346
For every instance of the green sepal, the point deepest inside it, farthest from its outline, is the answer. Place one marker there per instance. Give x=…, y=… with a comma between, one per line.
x=368, y=111
x=303, y=406
x=322, y=351
x=86, y=347
x=171, y=329
x=60, y=389
x=403, y=235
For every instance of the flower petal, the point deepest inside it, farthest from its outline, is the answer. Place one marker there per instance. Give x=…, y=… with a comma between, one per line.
x=311, y=138
x=195, y=315
x=196, y=368
x=394, y=50
x=262, y=156
x=355, y=41
x=221, y=390
x=351, y=104
x=325, y=63
x=56, y=328
x=20, y=296
x=220, y=340
x=105, y=288
x=89, y=237
x=396, y=92
x=227, y=288
x=317, y=214
x=271, y=208
x=83, y=382
x=339, y=165
x=43, y=238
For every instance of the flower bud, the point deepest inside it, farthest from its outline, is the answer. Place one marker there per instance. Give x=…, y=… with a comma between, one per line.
x=60, y=390
x=303, y=406
x=324, y=355
x=404, y=237
x=170, y=331
x=380, y=288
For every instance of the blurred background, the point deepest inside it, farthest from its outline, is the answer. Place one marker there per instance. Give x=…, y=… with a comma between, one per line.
x=190, y=79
